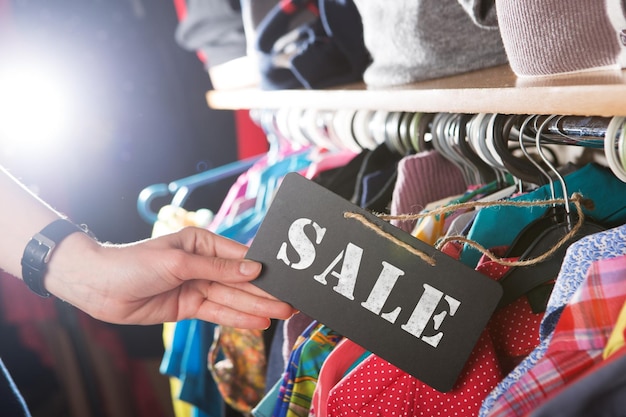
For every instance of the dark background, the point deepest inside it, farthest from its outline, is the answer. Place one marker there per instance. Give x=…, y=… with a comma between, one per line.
x=141, y=119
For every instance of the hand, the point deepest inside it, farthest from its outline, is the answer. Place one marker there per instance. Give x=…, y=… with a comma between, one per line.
x=189, y=274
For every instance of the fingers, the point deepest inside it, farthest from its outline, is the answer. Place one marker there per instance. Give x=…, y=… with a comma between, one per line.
x=214, y=257
x=216, y=276
x=252, y=289
x=234, y=306
x=196, y=267
x=209, y=244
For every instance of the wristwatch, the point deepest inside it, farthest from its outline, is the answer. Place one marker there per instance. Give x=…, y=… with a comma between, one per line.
x=39, y=249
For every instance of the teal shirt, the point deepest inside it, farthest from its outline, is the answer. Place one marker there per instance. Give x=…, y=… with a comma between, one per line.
x=499, y=225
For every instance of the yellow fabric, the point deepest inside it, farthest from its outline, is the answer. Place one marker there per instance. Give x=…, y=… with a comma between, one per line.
x=616, y=339
x=429, y=229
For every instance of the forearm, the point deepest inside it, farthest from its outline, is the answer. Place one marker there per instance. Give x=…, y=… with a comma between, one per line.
x=192, y=273
x=22, y=215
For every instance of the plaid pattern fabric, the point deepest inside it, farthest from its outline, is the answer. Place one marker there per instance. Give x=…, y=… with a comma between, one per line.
x=604, y=245
x=578, y=342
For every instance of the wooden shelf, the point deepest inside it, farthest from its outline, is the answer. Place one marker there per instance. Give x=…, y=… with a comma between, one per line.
x=493, y=90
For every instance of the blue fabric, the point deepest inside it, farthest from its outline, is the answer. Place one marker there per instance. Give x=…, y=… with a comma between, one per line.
x=497, y=226
x=171, y=363
x=198, y=387
x=265, y=407
x=186, y=360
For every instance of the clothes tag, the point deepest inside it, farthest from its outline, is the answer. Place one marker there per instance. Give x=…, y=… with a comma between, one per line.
x=375, y=284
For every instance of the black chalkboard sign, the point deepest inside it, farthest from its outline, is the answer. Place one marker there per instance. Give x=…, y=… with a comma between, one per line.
x=377, y=285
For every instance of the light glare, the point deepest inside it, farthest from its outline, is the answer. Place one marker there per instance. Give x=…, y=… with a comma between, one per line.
x=34, y=109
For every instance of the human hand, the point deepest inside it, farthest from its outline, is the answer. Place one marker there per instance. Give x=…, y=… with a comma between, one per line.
x=189, y=274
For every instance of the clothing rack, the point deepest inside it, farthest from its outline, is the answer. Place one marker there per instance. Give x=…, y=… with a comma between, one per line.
x=329, y=129
x=581, y=110
x=586, y=101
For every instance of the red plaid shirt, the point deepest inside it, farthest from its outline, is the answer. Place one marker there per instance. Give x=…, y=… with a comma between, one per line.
x=579, y=339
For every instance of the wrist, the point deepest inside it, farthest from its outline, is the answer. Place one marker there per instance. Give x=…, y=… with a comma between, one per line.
x=73, y=267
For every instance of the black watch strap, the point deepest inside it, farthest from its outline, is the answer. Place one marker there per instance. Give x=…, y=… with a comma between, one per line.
x=38, y=250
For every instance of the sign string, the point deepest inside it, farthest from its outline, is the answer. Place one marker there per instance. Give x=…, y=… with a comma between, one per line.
x=577, y=199
x=367, y=223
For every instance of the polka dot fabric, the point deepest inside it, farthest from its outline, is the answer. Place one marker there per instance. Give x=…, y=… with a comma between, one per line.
x=378, y=388
x=514, y=329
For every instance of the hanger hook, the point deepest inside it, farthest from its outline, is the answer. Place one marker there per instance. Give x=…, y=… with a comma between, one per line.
x=531, y=159
x=549, y=164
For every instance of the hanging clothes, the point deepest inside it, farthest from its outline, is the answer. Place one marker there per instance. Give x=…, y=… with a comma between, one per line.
x=187, y=342
x=616, y=339
x=343, y=379
x=300, y=376
x=488, y=229
x=576, y=263
x=345, y=357
x=578, y=341
x=241, y=370
x=423, y=178
x=600, y=391
x=375, y=385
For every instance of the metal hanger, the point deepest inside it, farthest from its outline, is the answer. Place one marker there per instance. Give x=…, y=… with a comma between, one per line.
x=485, y=173
x=477, y=136
x=539, y=237
x=442, y=134
x=521, y=168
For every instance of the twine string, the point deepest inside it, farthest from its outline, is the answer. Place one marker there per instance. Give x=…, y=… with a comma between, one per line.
x=577, y=199
x=476, y=204
x=367, y=223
